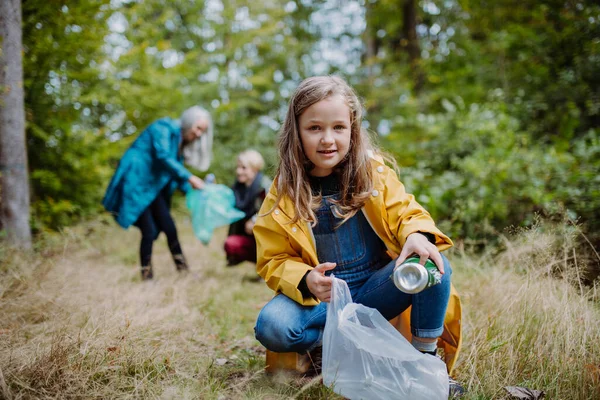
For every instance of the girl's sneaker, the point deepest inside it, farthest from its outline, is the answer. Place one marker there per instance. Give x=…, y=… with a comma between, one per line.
x=456, y=389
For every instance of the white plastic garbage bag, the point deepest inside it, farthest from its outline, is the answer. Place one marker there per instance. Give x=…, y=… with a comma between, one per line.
x=365, y=357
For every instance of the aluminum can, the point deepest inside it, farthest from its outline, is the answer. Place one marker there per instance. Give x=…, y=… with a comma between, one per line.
x=411, y=277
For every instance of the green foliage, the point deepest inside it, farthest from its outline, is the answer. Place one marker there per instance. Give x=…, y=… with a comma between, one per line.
x=239, y=62
x=547, y=57
x=505, y=125
x=579, y=190
x=67, y=156
x=97, y=76
x=475, y=171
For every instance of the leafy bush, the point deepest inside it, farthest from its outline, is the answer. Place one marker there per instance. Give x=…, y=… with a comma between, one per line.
x=477, y=173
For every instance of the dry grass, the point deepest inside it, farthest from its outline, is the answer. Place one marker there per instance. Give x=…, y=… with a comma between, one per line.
x=529, y=321
x=77, y=322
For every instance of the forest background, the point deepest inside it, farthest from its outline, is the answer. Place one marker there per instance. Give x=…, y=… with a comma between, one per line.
x=491, y=108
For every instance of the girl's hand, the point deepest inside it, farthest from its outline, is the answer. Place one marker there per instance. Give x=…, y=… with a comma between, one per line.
x=248, y=227
x=196, y=182
x=418, y=244
x=319, y=284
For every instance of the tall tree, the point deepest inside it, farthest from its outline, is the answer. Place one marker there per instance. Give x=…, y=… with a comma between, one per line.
x=62, y=67
x=13, y=156
x=409, y=28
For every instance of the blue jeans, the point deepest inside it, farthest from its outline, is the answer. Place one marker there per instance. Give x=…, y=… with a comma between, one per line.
x=284, y=325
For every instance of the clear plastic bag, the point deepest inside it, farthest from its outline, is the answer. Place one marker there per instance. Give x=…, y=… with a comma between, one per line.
x=212, y=207
x=365, y=357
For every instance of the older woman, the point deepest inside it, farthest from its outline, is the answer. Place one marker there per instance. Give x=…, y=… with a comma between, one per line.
x=140, y=191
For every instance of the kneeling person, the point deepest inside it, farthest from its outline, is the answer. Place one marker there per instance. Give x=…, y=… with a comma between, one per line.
x=249, y=189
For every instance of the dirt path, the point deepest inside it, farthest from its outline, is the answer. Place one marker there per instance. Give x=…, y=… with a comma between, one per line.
x=88, y=302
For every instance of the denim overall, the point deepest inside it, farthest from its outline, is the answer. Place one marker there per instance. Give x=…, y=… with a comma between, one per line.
x=353, y=246
x=284, y=325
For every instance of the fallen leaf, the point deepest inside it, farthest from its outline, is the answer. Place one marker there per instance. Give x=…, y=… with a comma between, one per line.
x=524, y=393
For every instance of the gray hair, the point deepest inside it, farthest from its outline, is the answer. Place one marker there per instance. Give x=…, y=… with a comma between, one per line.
x=197, y=154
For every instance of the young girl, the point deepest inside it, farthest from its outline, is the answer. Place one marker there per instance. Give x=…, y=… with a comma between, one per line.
x=335, y=207
x=249, y=188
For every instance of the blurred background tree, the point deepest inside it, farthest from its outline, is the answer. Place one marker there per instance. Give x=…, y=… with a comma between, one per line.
x=63, y=55
x=490, y=107
x=14, y=173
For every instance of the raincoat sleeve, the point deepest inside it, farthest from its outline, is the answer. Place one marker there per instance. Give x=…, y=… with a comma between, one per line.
x=278, y=263
x=184, y=186
x=406, y=215
x=161, y=143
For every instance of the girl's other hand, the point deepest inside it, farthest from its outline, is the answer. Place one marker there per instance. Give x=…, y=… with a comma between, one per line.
x=248, y=227
x=319, y=284
x=418, y=244
x=196, y=182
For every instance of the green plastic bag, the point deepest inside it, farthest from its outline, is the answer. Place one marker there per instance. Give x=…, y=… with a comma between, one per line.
x=212, y=207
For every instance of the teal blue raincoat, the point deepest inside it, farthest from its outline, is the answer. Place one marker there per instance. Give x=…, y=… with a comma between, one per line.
x=152, y=162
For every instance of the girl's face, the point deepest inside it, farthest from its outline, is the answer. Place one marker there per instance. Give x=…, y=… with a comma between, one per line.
x=245, y=174
x=325, y=132
x=197, y=130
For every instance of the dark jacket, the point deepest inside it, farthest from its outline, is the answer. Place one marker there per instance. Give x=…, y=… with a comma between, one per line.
x=248, y=199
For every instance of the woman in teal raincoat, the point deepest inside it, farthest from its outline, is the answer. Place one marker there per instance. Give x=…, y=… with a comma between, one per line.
x=149, y=172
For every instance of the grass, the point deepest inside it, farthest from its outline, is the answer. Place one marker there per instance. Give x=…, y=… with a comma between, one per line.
x=77, y=322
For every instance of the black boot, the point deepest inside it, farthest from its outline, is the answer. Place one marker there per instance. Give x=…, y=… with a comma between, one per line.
x=147, y=273
x=180, y=262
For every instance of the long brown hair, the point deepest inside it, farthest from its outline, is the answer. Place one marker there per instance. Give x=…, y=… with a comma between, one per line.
x=293, y=170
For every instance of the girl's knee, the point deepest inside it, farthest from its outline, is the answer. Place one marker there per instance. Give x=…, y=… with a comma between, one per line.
x=233, y=244
x=269, y=323
x=269, y=330
x=279, y=327
x=228, y=245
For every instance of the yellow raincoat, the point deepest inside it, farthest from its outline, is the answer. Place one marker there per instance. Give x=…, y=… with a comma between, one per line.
x=287, y=251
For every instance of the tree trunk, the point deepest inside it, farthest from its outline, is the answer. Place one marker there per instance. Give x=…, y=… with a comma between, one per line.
x=370, y=44
x=409, y=27
x=13, y=154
